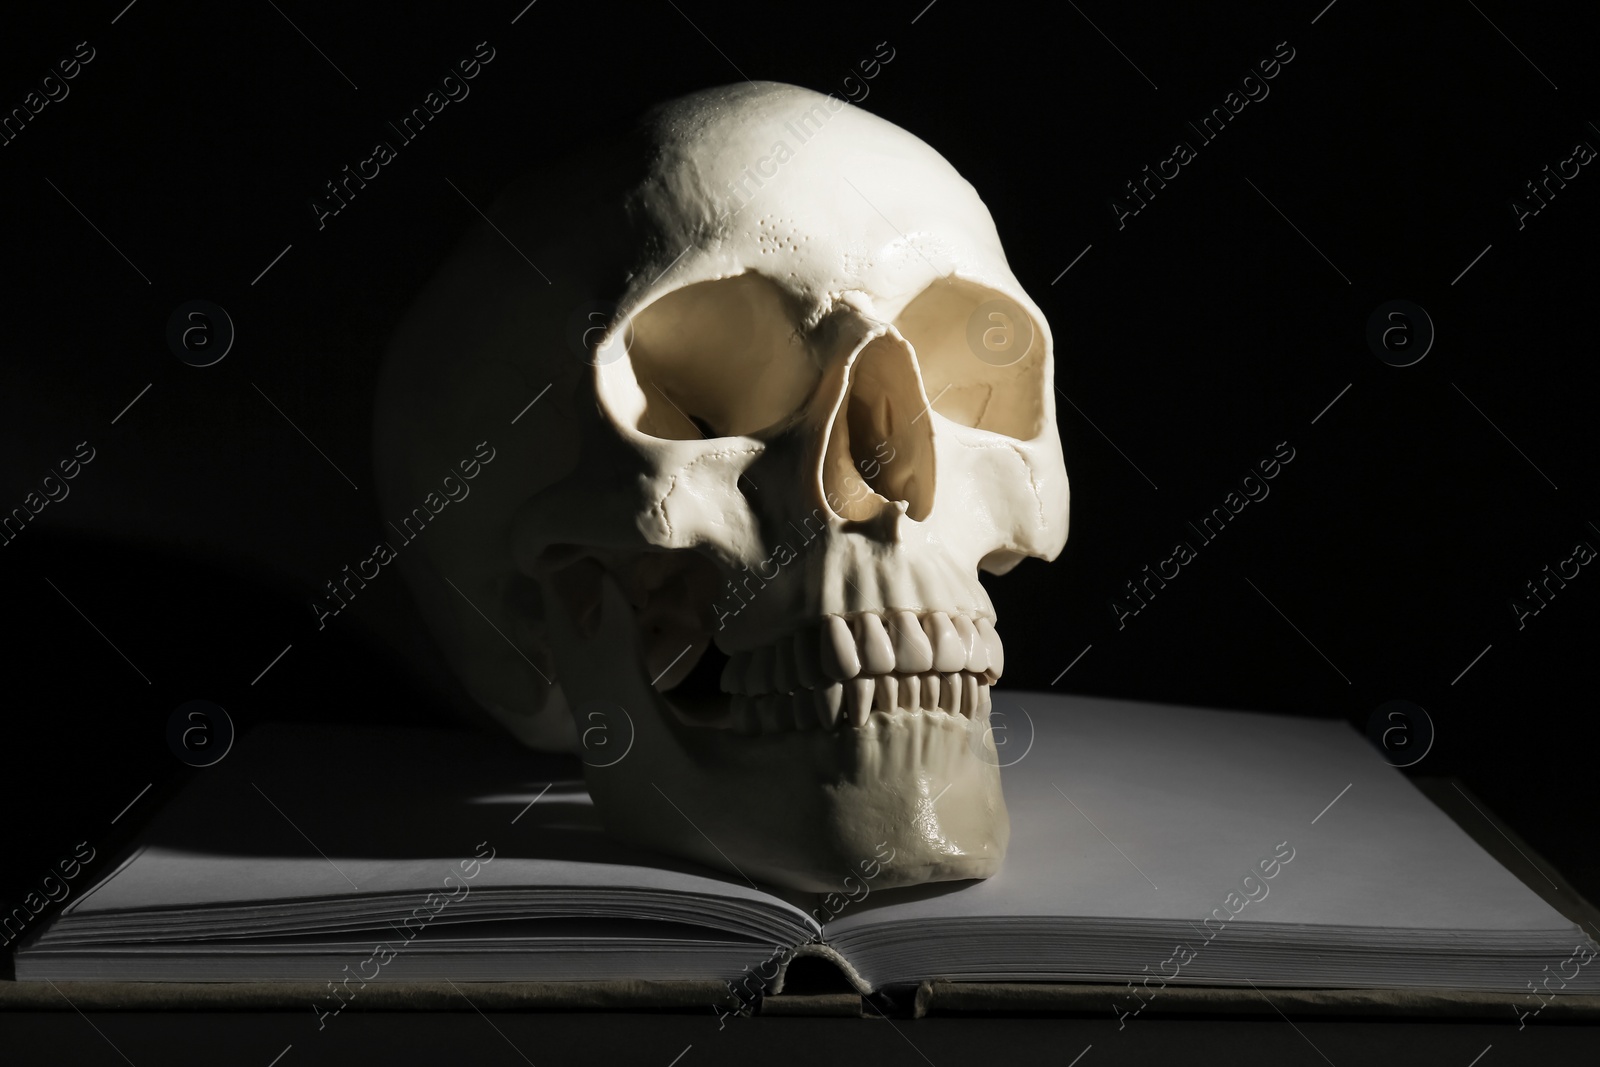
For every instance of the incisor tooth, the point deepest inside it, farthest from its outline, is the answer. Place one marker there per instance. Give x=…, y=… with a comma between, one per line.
x=930, y=691
x=877, y=652
x=911, y=691
x=977, y=653
x=954, y=695
x=828, y=700
x=912, y=652
x=807, y=664
x=991, y=641
x=838, y=650
x=858, y=700
x=758, y=676
x=969, y=695
x=950, y=694
x=888, y=693
x=948, y=655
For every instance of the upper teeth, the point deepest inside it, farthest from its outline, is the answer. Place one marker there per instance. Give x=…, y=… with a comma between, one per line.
x=844, y=669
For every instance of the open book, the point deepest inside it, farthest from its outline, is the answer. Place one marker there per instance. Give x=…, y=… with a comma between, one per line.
x=1196, y=846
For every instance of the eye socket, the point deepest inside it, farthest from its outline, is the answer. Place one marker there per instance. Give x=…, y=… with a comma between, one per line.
x=719, y=359
x=982, y=357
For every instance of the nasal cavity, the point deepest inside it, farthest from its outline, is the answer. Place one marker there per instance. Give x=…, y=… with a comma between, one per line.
x=880, y=446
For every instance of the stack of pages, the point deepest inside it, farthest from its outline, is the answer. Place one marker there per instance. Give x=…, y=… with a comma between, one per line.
x=1188, y=845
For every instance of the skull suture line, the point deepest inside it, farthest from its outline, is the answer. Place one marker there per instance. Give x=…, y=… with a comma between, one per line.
x=793, y=410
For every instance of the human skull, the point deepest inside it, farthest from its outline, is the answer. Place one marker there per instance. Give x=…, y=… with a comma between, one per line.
x=777, y=401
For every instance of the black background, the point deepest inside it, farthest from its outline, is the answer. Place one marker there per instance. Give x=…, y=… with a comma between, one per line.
x=1196, y=338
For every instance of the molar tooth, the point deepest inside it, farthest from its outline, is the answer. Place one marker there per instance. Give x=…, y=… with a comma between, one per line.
x=969, y=695
x=803, y=709
x=948, y=655
x=838, y=650
x=807, y=657
x=888, y=693
x=991, y=641
x=828, y=701
x=783, y=665
x=977, y=651
x=733, y=672
x=950, y=694
x=877, y=652
x=913, y=654
x=858, y=700
x=772, y=712
x=758, y=676
x=930, y=691
x=743, y=714
x=911, y=691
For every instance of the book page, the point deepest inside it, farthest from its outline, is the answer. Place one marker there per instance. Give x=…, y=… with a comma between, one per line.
x=343, y=814
x=1126, y=811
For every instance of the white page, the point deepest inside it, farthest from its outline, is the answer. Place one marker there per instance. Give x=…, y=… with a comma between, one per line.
x=1194, y=799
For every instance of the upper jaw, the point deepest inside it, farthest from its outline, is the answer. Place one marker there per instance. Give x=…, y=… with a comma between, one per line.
x=844, y=673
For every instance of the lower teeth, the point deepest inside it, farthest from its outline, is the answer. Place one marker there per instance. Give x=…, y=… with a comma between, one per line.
x=851, y=703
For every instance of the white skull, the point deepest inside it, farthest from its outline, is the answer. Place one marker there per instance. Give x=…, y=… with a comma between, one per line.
x=796, y=401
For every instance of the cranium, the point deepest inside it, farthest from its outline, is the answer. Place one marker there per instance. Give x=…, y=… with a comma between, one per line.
x=787, y=400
